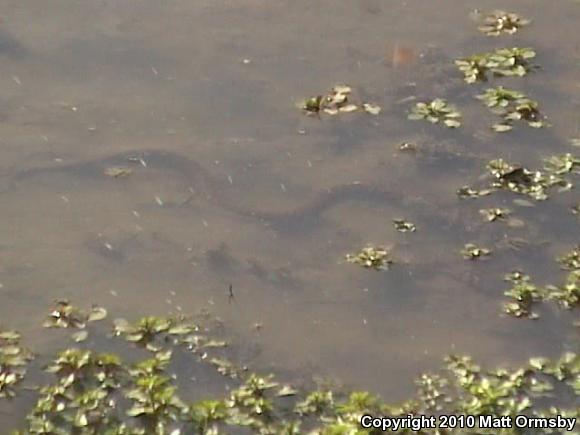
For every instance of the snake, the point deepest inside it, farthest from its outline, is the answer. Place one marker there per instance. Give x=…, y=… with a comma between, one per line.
x=204, y=182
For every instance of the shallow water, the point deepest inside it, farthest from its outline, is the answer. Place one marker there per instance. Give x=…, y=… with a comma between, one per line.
x=217, y=83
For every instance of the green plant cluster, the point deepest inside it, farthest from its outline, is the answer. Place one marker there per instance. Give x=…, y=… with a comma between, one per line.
x=503, y=62
x=495, y=214
x=371, y=257
x=437, y=111
x=94, y=393
x=13, y=361
x=512, y=106
x=536, y=184
x=498, y=22
x=335, y=102
x=473, y=252
x=524, y=294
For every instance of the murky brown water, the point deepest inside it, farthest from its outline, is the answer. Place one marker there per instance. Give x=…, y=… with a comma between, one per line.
x=216, y=82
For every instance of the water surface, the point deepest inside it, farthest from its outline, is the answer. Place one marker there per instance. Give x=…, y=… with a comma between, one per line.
x=217, y=83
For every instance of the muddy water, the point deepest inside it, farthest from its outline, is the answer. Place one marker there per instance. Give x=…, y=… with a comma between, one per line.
x=216, y=82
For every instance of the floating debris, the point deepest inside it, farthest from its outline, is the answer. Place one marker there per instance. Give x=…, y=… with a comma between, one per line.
x=499, y=22
x=512, y=61
x=407, y=147
x=404, y=226
x=402, y=56
x=506, y=62
x=118, y=171
x=335, y=102
x=494, y=214
x=469, y=192
x=437, y=111
x=371, y=108
x=473, y=252
x=370, y=257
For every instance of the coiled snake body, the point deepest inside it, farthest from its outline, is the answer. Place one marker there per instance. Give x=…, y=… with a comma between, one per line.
x=203, y=181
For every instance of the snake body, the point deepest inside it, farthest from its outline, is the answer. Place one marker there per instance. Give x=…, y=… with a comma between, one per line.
x=203, y=181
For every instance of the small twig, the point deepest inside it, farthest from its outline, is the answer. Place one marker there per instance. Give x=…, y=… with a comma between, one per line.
x=231, y=294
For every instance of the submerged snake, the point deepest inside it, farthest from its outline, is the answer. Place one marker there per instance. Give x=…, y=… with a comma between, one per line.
x=207, y=184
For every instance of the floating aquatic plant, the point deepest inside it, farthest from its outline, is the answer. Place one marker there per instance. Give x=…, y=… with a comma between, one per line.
x=527, y=294
x=534, y=183
x=371, y=257
x=404, y=226
x=13, y=361
x=571, y=260
x=66, y=315
x=473, y=252
x=494, y=214
x=99, y=393
x=149, y=331
x=511, y=61
x=502, y=62
x=474, y=68
x=500, y=97
x=568, y=294
x=437, y=111
x=512, y=106
x=498, y=22
x=524, y=295
x=563, y=164
x=337, y=101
